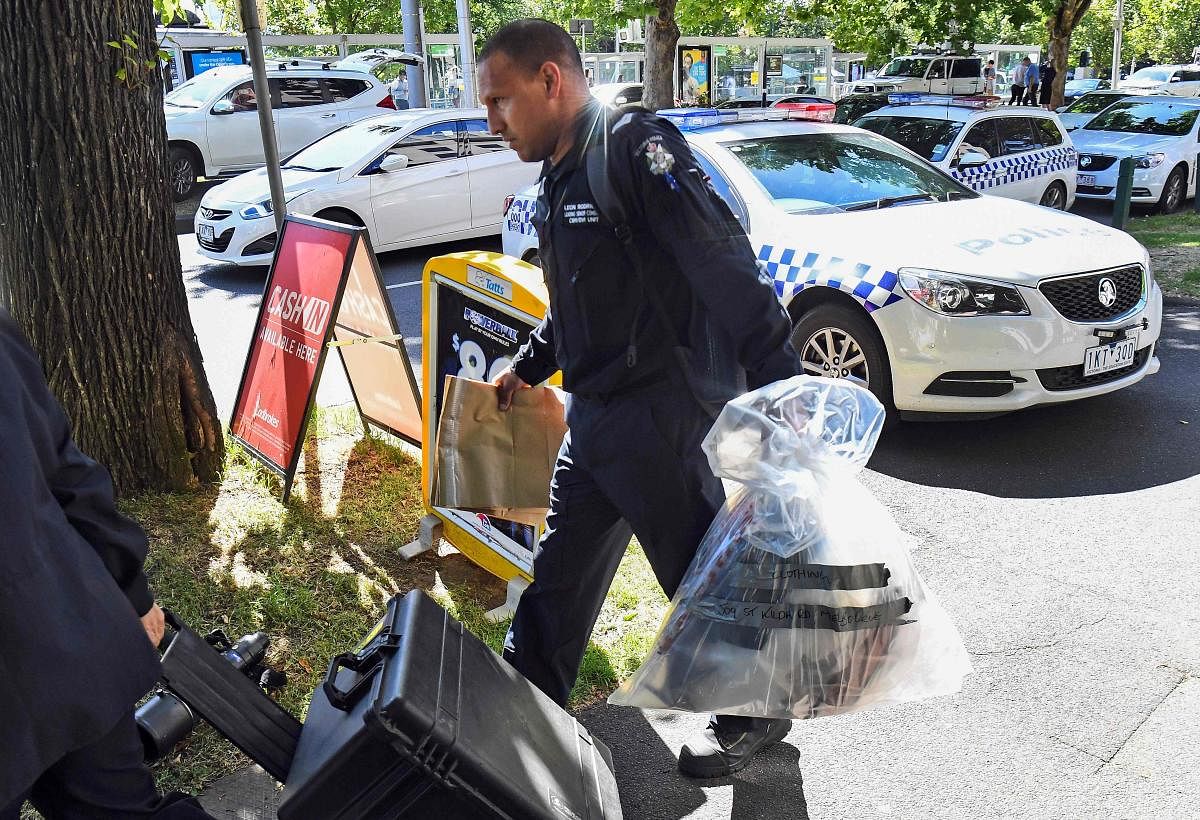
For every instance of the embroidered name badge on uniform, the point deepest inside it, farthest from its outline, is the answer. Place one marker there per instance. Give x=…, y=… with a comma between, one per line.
x=580, y=213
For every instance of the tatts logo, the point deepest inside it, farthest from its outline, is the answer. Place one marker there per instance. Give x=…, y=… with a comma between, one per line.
x=306, y=312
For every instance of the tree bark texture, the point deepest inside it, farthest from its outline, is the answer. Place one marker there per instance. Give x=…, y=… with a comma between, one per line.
x=1060, y=26
x=661, y=37
x=88, y=255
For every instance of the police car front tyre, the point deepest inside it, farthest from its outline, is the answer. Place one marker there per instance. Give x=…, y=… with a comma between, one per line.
x=841, y=342
x=1173, y=192
x=1055, y=196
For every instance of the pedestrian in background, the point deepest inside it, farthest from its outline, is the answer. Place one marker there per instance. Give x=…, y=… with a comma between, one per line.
x=78, y=625
x=631, y=462
x=989, y=78
x=1018, y=83
x=1048, y=74
x=1032, y=80
x=399, y=90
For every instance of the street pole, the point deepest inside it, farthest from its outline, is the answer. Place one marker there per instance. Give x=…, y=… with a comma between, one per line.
x=414, y=43
x=466, y=47
x=262, y=96
x=1118, y=30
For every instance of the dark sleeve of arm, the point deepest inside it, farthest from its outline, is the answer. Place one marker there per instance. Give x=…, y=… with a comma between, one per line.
x=84, y=491
x=714, y=254
x=536, y=361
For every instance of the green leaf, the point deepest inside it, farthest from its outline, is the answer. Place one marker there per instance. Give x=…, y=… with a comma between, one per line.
x=129, y=41
x=113, y=44
x=121, y=74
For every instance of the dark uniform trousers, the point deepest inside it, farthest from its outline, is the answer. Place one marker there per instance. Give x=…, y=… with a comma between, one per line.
x=629, y=465
x=105, y=780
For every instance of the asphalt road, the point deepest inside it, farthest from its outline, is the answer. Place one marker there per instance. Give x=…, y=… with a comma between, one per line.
x=1061, y=540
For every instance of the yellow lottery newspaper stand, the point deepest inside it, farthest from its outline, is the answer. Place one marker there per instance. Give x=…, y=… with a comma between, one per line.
x=477, y=308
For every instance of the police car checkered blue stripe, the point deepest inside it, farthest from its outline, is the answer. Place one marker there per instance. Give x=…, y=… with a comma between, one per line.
x=520, y=216
x=1003, y=170
x=793, y=271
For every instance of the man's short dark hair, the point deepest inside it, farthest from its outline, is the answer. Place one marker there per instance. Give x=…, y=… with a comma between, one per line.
x=530, y=42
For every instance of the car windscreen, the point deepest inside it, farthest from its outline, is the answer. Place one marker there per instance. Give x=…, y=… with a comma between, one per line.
x=928, y=137
x=1091, y=103
x=347, y=145
x=1158, y=75
x=829, y=172
x=1163, y=119
x=196, y=91
x=905, y=67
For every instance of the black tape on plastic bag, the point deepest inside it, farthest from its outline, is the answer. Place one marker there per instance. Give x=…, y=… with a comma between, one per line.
x=801, y=616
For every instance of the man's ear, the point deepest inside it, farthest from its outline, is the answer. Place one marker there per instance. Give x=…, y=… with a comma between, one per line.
x=551, y=76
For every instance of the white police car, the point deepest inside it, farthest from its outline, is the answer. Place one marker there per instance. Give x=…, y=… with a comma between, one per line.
x=1161, y=133
x=895, y=274
x=1017, y=152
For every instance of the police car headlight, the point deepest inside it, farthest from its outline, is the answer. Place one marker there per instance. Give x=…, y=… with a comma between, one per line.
x=260, y=209
x=952, y=295
x=1149, y=160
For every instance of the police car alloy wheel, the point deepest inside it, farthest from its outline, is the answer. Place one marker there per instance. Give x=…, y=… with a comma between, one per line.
x=1172, y=194
x=183, y=173
x=1055, y=197
x=840, y=342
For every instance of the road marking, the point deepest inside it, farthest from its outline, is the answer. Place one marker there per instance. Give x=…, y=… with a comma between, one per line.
x=404, y=285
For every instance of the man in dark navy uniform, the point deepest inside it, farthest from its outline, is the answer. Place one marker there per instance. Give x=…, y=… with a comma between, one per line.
x=78, y=625
x=631, y=462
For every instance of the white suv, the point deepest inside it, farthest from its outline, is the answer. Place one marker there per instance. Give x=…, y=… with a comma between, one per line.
x=934, y=74
x=1180, y=80
x=212, y=120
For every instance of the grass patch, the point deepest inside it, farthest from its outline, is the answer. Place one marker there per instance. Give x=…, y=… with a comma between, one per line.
x=316, y=573
x=1180, y=230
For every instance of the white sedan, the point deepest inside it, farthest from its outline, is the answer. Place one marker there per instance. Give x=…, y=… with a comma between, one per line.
x=1160, y=133
x=412, y=178
x=897, y=275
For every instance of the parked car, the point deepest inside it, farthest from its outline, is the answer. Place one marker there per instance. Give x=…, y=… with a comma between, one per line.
x=897, y=275
x=775, y=101
x=1161, y=133
x=1089, y=105
x=853, y=106
x=1180, y=80
x=1074, y=89
x=618, y=93
x=411, y=178
x=212, y=119
x=931, y=73
x=1015, y=152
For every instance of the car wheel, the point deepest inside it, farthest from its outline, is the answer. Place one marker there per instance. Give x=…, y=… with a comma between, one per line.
x=841, y=342
x=1173, y=192
x=183, y=173
x=1055, y=196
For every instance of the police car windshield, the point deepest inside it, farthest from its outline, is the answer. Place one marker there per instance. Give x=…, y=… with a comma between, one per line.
x=813, y=173
x=1163, y=119
x=346, y=146
x=929, y=138
x=1091, y=103
x=905, y=67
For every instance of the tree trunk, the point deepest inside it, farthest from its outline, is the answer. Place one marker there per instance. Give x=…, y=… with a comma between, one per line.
x=88, y=254
x=1060, y=26
x=662, y=34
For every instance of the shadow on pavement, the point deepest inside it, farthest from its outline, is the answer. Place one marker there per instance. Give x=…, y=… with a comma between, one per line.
x=1144, y=436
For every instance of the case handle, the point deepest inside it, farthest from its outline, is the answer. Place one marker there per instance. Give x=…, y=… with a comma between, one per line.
x=366, y=667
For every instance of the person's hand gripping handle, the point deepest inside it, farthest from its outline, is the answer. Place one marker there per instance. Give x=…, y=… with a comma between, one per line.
x=508, y=383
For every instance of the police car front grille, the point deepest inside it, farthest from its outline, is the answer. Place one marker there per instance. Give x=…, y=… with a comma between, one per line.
x=1072, y=378
x=220, y=241
x=1095, y=162
x=214, y=214
x=1077, y=298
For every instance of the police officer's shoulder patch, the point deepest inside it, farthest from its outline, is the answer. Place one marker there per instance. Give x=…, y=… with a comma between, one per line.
x=659, y=160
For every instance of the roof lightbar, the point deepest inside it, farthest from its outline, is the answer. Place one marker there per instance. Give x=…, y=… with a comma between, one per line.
x=960, y=101
x=691, y=119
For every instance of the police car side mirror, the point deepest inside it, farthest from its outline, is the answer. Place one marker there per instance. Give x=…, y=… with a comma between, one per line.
x=222, y=107
x=393, y=162
x=973, y=159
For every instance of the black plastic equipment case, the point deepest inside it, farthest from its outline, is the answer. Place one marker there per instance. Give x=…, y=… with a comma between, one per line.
x=426, y=722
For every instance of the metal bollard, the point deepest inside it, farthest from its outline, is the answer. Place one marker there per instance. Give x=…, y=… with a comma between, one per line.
x=1120, y=216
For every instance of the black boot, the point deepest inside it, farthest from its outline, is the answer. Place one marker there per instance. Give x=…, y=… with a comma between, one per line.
x=728, y=743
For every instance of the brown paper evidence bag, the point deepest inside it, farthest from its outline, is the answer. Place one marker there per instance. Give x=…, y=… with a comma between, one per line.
x=497, y=462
